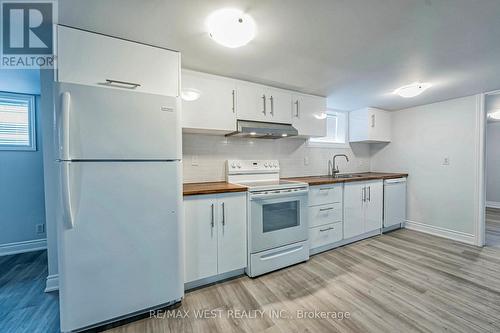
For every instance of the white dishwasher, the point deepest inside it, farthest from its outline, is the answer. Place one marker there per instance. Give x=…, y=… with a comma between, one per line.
x=394, y=203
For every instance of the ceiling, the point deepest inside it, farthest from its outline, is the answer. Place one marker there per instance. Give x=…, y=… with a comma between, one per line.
x=356, y=52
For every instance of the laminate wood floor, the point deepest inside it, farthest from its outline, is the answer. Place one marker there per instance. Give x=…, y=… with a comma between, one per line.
x=404, y=281
x=24, y=306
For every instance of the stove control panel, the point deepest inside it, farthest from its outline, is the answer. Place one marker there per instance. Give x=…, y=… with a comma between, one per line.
x=253, y=166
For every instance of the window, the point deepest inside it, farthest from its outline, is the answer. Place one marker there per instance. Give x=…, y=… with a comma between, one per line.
x=336, y=131
x=17, y=122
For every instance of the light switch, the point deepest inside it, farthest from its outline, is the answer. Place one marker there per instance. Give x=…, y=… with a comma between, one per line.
x=194, y=160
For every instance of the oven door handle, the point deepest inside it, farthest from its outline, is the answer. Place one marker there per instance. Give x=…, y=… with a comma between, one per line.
x=255, y=196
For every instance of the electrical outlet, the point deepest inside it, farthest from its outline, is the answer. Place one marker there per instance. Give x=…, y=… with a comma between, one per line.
x=446, y=160
x=194, y=160
x=306, y=160
x=40, y=228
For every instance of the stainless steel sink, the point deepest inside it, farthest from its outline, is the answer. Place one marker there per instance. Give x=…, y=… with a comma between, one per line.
x=348, y=175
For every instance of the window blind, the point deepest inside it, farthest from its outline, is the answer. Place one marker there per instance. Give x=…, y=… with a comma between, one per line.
x=16, y=127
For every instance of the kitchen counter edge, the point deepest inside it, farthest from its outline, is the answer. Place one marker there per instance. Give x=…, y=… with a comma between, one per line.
x=211, y=188
x=363, y=176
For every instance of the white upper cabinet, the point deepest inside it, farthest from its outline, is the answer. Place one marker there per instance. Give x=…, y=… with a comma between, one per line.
x=261, y=103
x=279, y=105
x=369, y=125
x=222, y=101
x=215, y=108
x=307, y=114
x=251, y=102
x=94, y=59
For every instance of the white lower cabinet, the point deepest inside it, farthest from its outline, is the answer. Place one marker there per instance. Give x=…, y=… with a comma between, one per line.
x=363, y=207
x=325, y=215
x=325, y=235
x=215, y=235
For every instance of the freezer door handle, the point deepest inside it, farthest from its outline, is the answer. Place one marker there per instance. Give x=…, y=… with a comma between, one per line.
x=66, y=194
x=64, y=126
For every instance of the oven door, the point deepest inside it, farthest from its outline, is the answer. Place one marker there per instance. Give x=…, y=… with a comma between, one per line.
x=277, y=220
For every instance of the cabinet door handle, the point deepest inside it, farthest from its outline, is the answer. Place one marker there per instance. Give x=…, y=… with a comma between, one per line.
x=223, y=215
x=264, y=104
x=122, y=84
x=363, y=194
x=323, y=230
x=234, y=101
x=297, y=108
x=373, y=120
x=369, y=193
x=325, y=209
x=212, y=223
x=272, y=105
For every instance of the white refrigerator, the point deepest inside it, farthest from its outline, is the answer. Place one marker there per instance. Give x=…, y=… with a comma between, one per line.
x=120, y=232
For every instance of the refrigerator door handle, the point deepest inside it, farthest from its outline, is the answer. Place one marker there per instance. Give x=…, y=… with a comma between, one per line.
x=64, y=126
x=66, y=194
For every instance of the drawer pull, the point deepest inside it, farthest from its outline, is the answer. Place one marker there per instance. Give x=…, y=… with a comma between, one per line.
x=323, y=230
x=325, y=209
x=326, y=188
x=122, y=84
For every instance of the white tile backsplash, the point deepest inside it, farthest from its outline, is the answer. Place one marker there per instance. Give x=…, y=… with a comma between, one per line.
x=211, y=153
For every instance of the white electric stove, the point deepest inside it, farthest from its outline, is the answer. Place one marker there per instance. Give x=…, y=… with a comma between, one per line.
x=277, y=215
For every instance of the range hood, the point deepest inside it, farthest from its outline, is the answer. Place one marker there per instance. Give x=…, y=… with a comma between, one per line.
x=263, y=130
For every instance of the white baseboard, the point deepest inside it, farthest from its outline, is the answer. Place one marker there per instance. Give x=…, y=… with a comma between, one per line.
x=52, y=283
x=441, y=232
x=493, y=204
x=21, y=247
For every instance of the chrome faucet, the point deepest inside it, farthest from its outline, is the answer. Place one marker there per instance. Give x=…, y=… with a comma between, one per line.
x=333, y=170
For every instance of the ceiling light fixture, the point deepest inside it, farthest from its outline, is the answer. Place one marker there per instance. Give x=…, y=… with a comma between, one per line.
x=320, y=116
x=190, y=95
x=412, y=90
x=231, y=27
x=495, y=115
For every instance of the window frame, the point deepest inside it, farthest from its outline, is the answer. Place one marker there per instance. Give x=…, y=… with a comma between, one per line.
x=31, y=122
x=338, y=145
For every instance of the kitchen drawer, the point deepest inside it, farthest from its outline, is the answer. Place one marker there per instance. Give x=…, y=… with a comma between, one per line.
x=325, y=214
x=325, y=194
x=324, y=235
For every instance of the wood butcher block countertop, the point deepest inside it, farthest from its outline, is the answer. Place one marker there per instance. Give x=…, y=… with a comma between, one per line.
x=322, y=180
x=211, y=188
x=224, y=187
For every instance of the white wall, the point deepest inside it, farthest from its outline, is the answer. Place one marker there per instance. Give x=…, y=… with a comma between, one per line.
x=211, y=152
x=439, y=196
x=21, y=172
x=50, y=173
x=493, y=163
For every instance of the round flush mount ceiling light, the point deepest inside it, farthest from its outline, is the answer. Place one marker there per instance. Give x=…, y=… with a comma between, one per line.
x=412, y=90
x=494, y=115
x=190, y=95
x=231, y=27
x=320, y=116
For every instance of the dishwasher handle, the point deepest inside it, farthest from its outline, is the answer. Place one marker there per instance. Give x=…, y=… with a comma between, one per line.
x=395, y=181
